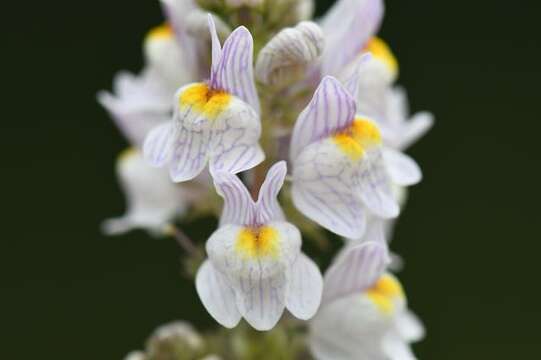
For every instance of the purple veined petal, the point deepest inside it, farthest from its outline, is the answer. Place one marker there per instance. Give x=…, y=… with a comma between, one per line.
x=190, y=152
x=268, y=207
x=375, y=187
x=158, y=146
x=236, y=133
x=234, y=72
x=402, y=169
x=216, y=51
x=351, y=84
x=217, y=295
x=348, y=26
x=331, y=109
x=239, y=208
x=304, y=289
x=356, y=271
x=325, y=183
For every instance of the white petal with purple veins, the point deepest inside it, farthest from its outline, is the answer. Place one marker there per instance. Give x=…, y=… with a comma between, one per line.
x=239, y=208
x=217, y=295
x=158, y=144
x=374, y=186
x=304, y=288
x=358, y=269
x=232, y=66
x=324, y=189
x=267, y=204
x=331, y=109
x=236, y=131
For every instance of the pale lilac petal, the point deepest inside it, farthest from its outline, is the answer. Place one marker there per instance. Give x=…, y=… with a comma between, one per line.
x=305, y=288
x=268, y=207
x=348, y=27
x=375, y=188
x=325, y=189
x=216, y=48
x=234, y=72
x=239, y=208
x=217, y=295
x=236, y=133
x=190, y=154
x=158, y=146
x=357, y=270
x=331, y=109
x=352, y=82
x=402, y=169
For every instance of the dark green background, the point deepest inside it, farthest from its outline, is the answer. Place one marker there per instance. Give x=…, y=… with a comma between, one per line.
x=470, y=233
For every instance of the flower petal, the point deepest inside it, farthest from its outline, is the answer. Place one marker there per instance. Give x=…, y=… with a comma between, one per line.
x=304, y=289
x=152, y=199
x=239, y=208
x=396, y=348
x=216, y=46
x=234, y=71
x=410, y=327
x=234, y=146
x=359, y=268
x=216, y=295
x=352, y=82
x=402, y=169
x=324, y=189
x=158, y=144
x=416, y=127
x=288, y=53
x=330, y=110
x=139, y=103
x=348, y=26
x=356, y=270
x=375, y=189
x=268, y=207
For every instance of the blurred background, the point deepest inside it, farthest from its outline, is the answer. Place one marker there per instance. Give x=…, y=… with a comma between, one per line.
x=469, y=234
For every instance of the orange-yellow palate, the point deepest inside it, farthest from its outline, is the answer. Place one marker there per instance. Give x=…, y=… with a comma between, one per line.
x=253, y=243
x=357, y=138
x=204, y=100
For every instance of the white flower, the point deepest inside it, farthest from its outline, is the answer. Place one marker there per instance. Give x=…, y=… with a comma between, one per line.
x=255, y=267
x=363, y=315
x=137, y=104
x=338, y=166
x=152, y=199
x=215, y=122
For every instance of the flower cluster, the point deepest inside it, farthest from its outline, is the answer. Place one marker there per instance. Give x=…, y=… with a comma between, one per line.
x=297, y=126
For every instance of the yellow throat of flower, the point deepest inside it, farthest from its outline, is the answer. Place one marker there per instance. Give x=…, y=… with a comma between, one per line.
x=204, y=100
x=385, y=293
x=253, y=243
x=162, y=32
x=356, y=139
x=381, y=51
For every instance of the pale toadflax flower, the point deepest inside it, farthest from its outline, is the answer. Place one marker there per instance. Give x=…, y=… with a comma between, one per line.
x=215, y=122
x=255, y=267
x=152, y=199
x=339, y=175
x=364, y=314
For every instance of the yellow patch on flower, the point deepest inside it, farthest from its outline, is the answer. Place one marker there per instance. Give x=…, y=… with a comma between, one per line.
x=354, y=140
x=381, y=51
x=258, y=242
x=204, y=100
x=162, y=32
x=385, y=292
